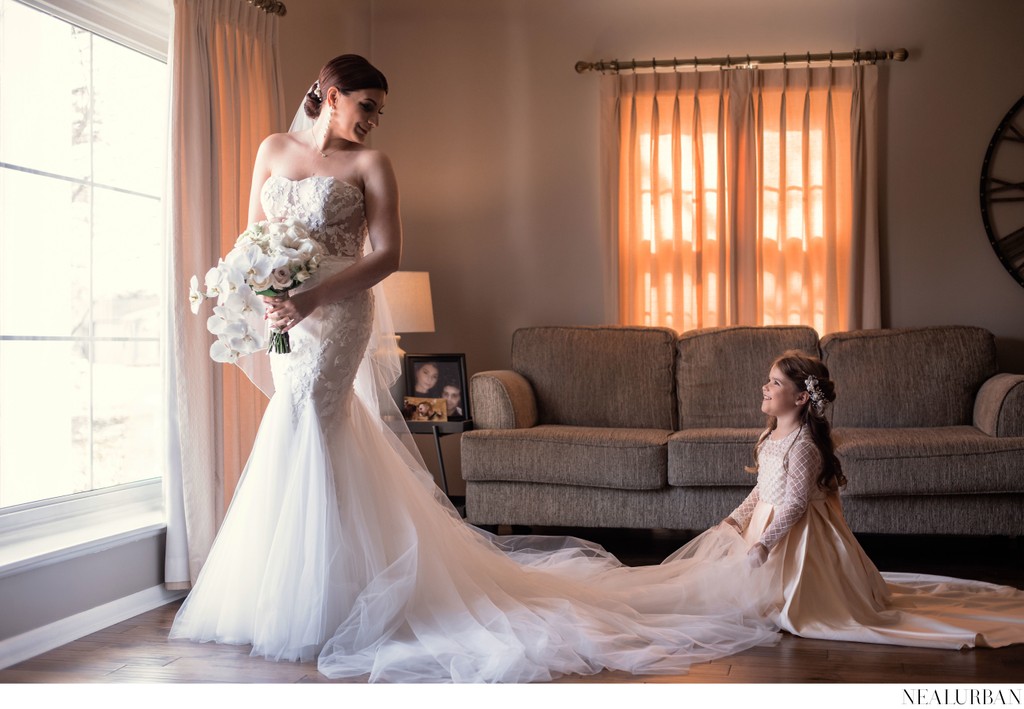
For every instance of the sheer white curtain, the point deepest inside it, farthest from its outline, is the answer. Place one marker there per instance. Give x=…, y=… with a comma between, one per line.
x=744, y=197
x=226, y=96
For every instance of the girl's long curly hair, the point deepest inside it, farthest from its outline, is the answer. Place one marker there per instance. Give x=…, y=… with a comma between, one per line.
x=798, y=368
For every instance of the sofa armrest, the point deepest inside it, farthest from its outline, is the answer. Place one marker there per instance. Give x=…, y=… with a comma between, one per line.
x=502, y=399
x=999, y=406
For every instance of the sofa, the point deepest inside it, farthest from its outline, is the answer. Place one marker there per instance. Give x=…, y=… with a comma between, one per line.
x=640, y=427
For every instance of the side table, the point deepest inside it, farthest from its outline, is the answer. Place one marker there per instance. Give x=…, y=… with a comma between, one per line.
x=439, y=429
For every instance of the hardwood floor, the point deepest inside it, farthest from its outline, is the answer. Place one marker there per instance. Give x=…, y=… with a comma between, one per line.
x=138, y=651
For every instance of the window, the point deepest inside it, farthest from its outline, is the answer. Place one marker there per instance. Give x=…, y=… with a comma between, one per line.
x=738, y=200
x=82, y=145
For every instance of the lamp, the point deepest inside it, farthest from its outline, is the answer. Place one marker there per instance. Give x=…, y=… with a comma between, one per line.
x=408, y=296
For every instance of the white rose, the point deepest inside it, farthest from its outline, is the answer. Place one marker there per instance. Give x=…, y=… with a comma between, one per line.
x=284, y=255
x=282, y=278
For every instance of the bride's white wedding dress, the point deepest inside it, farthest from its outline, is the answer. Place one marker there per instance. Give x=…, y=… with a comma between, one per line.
x=338, y=545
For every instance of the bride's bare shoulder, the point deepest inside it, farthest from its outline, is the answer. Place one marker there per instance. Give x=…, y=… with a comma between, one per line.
x=373, y=161
x=279, y=143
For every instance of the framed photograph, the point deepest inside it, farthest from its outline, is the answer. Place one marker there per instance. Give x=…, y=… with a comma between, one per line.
x=439, y=376
x=421, y=409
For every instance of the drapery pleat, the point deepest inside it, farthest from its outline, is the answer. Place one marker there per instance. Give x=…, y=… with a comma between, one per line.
x=226, y=96
x=746, y=197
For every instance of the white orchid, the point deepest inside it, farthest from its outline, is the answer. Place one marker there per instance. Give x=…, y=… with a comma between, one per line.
x=235, y=336
x=212, y=281
x=231, y=281
x=195, y=296
x=254, y=264
x=224, y=321
x=222, y=351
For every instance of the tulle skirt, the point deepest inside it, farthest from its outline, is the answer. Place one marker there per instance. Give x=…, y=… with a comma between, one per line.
x=337, y=548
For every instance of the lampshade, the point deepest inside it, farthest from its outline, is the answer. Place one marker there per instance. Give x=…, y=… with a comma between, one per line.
x=408, y=295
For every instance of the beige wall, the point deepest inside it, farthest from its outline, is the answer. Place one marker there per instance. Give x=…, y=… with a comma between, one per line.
x=312, y=32
x=495, y=138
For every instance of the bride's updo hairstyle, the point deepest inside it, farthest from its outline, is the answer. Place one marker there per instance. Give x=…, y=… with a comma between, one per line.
x=349, y=72
x=810, y=374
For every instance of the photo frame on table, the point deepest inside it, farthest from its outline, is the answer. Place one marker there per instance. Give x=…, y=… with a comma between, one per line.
x=425, y=409
x=439, y=376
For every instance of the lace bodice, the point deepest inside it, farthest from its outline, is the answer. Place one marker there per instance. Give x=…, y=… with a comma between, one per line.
x=788, y=470
x=327, y=346
x=331, y=209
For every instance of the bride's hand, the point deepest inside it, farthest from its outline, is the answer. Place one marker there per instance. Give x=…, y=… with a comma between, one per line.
x=285, y=311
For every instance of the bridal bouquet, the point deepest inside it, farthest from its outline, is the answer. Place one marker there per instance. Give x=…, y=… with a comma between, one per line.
x=269, y=258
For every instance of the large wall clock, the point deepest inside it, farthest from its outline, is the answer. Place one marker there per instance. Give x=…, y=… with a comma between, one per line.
x=1002, y=191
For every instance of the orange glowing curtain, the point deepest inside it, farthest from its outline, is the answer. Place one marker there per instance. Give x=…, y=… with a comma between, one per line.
x=226, y=97
x=746, y=197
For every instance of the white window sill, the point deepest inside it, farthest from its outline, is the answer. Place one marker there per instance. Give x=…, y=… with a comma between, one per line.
x=32, y=536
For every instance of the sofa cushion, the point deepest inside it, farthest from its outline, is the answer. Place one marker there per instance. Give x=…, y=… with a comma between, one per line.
x=912, y=378
x=625, y=458
x=714, y=457
x=615, y=377
x=929, y=461
x=720, y=372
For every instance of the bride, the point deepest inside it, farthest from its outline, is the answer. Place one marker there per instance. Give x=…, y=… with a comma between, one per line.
x=337, y=544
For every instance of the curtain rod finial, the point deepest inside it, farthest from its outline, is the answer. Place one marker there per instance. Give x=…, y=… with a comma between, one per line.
x=900, y=55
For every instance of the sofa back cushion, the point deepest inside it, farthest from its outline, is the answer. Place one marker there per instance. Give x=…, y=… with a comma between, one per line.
x=908, y=378
x=720, y=370
x=599, y=376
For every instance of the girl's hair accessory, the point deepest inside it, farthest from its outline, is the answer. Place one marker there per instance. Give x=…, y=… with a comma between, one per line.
x=315, y=90
x=818, y=399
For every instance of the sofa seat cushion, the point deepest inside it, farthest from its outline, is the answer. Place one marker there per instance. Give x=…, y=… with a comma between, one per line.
x=929, y=461
x=621, y=458
x=703, y=457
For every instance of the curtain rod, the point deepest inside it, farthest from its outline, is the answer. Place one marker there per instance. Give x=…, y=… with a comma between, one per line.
x=744, y=60
x=271, y=7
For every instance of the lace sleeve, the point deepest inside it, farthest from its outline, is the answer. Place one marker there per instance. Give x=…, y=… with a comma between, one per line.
x=743, y=513
x=802, y=470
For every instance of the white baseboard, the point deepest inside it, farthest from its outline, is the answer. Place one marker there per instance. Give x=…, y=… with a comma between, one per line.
x=36, y=642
